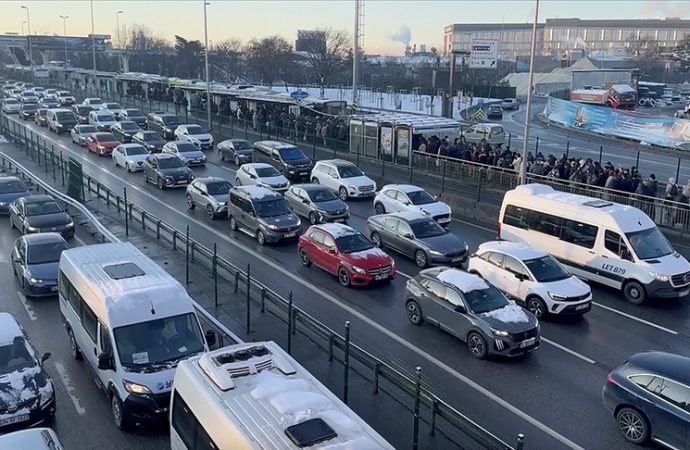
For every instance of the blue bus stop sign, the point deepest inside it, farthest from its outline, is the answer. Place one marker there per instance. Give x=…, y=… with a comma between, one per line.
x=299, y=94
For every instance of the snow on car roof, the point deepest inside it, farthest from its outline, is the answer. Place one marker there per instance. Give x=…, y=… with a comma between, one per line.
x=337, y=229
x=464, y=281
x=510, y=313
x=257, y=192
x=9, y=328
x=365, y=254
x=515, y=249
x=403, y=187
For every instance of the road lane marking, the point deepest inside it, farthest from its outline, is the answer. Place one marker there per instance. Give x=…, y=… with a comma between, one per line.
x=80, y=241
x=403, y=274
x=567, y=350
x=29, y=309
x=637, y=319
x=69, y=388
x=413, y=348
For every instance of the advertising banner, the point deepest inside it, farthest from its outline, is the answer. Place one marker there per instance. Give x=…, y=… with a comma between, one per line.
x=387, y=141
x=403, y=143
x=650, y=130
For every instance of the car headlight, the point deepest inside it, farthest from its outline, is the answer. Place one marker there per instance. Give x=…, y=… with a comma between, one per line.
x=33, y=280
x=31, y=229
x=359, y=270
x=352, y=188
x=168, y=130
x=501, y=333
x=47, y=394
x=70, y=225
x=557, y=297
x=435, y=253
x=272, y=227
x=659, y=277
x=3, y=204
x=425, y=212
x=134, y=388
x=168, y=178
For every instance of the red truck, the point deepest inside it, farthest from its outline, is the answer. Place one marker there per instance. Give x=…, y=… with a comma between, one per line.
x=618, y=96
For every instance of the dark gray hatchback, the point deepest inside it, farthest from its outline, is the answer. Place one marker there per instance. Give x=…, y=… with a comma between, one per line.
x=649, y=395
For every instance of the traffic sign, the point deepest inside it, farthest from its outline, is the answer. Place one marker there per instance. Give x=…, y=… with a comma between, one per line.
x=478, y=114
x=483, y=54
x=299, y=94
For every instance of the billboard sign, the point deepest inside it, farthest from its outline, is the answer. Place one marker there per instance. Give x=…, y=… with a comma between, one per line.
x=483, y=54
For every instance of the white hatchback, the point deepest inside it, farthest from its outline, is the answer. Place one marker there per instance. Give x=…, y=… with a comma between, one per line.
x=405, y=197
x=533, y=278
x=261, y=174
x=130, y=156
x=194, y=134
x=344, y=178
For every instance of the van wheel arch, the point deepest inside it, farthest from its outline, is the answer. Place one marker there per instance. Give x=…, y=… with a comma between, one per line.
x=634, y=291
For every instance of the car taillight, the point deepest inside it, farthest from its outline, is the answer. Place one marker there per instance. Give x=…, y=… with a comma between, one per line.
x=610, y=380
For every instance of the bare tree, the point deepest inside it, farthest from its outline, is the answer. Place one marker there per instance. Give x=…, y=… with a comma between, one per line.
x=147, y=52
x=269, y=57
x=326, y=53
x=226, y=60
x=190, y=57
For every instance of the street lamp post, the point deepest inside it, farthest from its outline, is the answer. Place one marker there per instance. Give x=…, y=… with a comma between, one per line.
x=208, y=85
x=93, y=46
x=28, y=23
x=119, y=42
x=64, y=26
x=23, y=22
x=528, y=108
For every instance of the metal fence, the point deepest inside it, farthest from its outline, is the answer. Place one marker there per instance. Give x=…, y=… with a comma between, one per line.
x=428, y=407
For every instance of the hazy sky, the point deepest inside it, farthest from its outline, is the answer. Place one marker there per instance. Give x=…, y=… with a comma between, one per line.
x=384, y=19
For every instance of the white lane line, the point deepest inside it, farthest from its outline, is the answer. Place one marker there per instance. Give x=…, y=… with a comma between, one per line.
x=637, y=319
x=29, y=309
x=567, y=350
x=413, y=348
x=70, y=389
x=403, y=274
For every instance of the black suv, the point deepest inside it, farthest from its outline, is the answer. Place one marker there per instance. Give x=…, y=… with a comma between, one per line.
x=288, y=159
x=164, y=124
x=82, y=113
x=167, y=171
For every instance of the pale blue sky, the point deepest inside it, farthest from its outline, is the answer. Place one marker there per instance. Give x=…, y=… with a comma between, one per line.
x=247, y=19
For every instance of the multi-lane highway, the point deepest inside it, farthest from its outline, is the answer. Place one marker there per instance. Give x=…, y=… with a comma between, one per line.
x=553, y=395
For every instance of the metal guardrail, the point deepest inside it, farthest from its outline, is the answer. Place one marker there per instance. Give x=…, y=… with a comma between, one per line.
x=442, y=416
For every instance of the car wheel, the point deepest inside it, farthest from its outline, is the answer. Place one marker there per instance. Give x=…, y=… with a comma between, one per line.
x=260, y=237
x=73, y=347
x=119, y=417
x=315, y=180
x=304, y=257
x=190, y=202
x=237, y=161
x=414, y=312
x=221, y=155
x=210, y=212
x=634, y=292
x=633, y=425
x=420, y=259
x=238, y=182
x=313, y=219
x=129, y=168
x=376, y=240
x=342, y=193
x=161, y=185
x=477, y=345
x=536, y=306
x=233, y=224
x=379, y=208
x=344, y=276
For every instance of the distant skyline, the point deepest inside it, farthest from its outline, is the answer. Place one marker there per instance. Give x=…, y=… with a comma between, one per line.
x=388, y=24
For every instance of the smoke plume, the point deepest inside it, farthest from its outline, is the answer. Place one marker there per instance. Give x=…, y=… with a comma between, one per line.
x=403, y=35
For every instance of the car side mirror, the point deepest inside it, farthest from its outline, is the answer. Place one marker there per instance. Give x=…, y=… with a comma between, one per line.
x=332, y=251
x=520, y=276
x=305, y=201
x=105, y=362
x=253, y=177
x=408, y=236
x=461, y=309
x=211, y=338
x=45, y=357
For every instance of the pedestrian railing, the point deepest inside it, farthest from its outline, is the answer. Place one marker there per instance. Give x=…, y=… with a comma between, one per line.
x=427, y=406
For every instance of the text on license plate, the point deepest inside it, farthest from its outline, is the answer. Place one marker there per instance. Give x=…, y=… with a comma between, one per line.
x=291, y=234
x=528, y=342
x=15, y=419
x=382, y=276
x=582, y=306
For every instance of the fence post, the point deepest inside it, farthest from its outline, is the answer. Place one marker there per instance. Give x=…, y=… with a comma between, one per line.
x=346, y=362
x=263, y=300
x=62, y=168
x=434, y=406
x=510, y=135
x=410, y=170
x=637, y=163
x=186, y=256
x=536, y=148
x=417, y=401
x=249, y=284
x=443, y=176
x=52, y=160
x=520, y=442
x=377, y=370
x=601, y=150
x=215, y=273
x=126, y=212
x=289, y=337
x=678, y=170
x=567, y=149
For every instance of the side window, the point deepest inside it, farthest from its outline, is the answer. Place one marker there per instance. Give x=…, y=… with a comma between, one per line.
x=435, y=288
x=454, y=298
x=317, y=237
x=615, y=244
x=104, y=339
x=188, y=428
x=89, y=321
x=545, y=223
x=391, y=223
x=404, y=228
x=512, y=265
x=579, y=233
x=390, y=193
x=495, y=258
x=328, y=241
x=674, y=393
x=403, y=198
x=516, y=217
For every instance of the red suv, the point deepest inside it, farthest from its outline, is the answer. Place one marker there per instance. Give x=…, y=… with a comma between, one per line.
x=345, y=252
x=101, y=143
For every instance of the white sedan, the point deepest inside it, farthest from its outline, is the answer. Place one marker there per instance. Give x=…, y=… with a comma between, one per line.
x=186, y=151
x=194, y=134
x=130, y=156
x=10, y=106
x=262, y=175
x=394, y=198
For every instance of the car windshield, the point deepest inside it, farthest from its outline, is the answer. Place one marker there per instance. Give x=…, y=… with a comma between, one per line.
x=649, y=243
x=426, y=228
x=134, y=113
x=242, y=145
x=129, y=126
x=291, y=154
x=352, y=243
x=40, y=208
x=267, y=172
x=152, y=136
x=546, y=269
x=349, y=172
x=420, y=197
x=157, y=344
x=45, y=253
x=483, y=301
x=30, y=107
x=136, y=150
x=84, y=110
x=65, y=115
x=218, y=188
x=195, y=130
x=105, y=117
x=170, y=163
x=10, y=101
x=87, y=129
x=172, y=120
x=186, y=147
x=113, y=106
x=106, y=137
x=10, y=186
x=15, y=357
x=321, y=195
x=271, y=208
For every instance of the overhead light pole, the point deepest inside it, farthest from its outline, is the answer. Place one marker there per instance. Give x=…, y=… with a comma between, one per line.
x=64, y=28
x=28, y=23
x=23, y=22
x=93, y=46
x=119, y=42
x=208, y=85
x=528, y=108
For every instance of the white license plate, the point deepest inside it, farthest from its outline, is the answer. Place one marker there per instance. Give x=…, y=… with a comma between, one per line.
x=528, y=342
x=291, y=234
x=382, y=276
x=684, y=293
x=15, y=419
x=582, y=306
x=54, y=288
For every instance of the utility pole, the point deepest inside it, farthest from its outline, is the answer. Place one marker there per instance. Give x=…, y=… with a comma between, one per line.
x=93, y=46
x=28, y=23
x=64, y=27
x=528, y=108
x=119, y=42
x=355, y=58
x=208, y=84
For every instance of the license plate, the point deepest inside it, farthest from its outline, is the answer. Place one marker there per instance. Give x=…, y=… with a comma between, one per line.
x=528, y=342
x=582, y=306
x=382, y=276
x=53, y=288
x=456, y=259
x=15, y=419
x=291, y=234
x=684, y=293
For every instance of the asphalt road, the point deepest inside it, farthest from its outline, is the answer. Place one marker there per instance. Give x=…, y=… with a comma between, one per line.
x=552, y=395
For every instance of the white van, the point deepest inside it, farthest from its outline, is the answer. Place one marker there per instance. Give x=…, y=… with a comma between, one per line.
x=493, y=133
x=602, y=241
x=256, y=397
x=132, y=323
x=34, y=439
